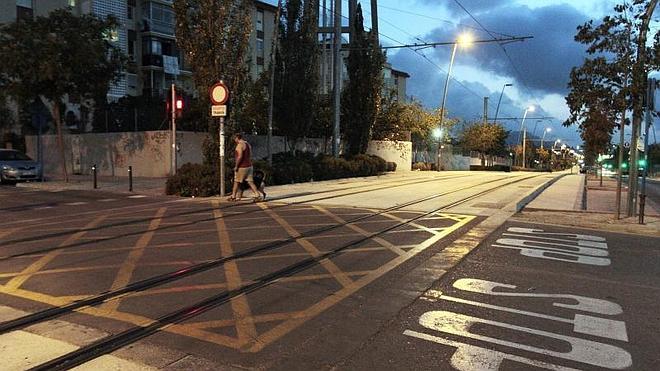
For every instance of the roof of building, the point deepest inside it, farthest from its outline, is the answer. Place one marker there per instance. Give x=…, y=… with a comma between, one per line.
x=400, y=73
x=263, y=4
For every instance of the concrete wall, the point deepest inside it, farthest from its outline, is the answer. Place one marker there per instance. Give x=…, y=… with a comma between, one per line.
x=147, y=152
x=397, y=152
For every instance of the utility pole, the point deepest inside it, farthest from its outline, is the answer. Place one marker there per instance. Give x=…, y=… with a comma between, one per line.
x=639, y=83
x=524, y=147
x=485, y=110
x=650, y=105
x=337, y=78
x=271, y=82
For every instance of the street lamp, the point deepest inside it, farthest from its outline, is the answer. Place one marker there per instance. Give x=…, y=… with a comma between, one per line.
x=500, y=101
x=547, y=130
x=464, y=39
x=522, y=125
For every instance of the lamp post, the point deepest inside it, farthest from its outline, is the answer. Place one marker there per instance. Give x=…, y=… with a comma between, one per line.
x=497, y=110
x=547, y=130
x=522, y=125
x=438, y=134
x=464, y=39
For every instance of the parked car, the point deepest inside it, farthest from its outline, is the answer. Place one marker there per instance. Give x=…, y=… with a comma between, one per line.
x=15, y=166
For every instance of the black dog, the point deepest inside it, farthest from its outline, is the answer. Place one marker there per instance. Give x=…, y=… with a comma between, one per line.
x=259, y=178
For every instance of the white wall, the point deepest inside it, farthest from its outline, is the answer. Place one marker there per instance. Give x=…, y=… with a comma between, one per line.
x=397, y=152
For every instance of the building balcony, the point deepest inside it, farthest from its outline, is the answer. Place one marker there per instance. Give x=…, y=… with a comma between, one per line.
x=152, y=60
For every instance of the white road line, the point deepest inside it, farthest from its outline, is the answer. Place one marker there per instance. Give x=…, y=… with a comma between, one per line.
x=137, y=196
x=108, y=200
x=75, y=203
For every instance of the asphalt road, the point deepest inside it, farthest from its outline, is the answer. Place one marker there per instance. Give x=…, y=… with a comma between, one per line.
x=533, y=297
x=349, y=309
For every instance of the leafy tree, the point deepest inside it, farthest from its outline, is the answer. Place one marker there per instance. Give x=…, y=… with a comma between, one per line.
x=297, y=79
x=252, y=117
x=485, y=138
x=615, y=79
x=396, y=119
x=214, y=35
x=55, y=56
x=361, y=97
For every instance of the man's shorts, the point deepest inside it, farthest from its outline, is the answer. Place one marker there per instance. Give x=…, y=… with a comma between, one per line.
x=243, y=173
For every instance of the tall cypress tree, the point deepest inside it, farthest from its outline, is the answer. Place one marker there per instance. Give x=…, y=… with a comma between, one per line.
x=297, y=72
x=361, y=97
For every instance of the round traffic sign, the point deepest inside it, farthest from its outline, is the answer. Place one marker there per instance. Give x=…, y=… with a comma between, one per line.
x=219, y=93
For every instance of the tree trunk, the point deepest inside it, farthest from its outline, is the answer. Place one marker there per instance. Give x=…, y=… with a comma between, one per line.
x=60, y=139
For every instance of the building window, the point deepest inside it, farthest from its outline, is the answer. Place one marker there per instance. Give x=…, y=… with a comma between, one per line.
x=156, y=47
x=260, y=20
x=260, y=48
x=132, y=37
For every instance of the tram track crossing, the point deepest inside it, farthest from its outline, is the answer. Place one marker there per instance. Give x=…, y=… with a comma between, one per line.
x=129, y=209
x=162, y=279
x=117, y=341
x=187, y=213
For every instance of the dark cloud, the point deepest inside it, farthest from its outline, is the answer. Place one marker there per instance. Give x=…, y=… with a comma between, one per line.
x=541, y=64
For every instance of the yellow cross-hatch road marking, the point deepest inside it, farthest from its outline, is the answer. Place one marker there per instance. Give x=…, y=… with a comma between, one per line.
x=395, y=249
x=248, y=338
x=126, y=271
x=245, y=328
x=327, y=264
x=28, y=272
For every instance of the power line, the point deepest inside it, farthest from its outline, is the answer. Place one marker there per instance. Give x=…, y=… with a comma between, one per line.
x=437, y=19
x=519, y=75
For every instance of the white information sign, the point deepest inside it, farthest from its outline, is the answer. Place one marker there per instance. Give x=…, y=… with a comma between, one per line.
x=219, y=110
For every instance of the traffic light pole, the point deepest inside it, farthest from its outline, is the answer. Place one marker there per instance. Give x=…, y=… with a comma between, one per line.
x=173, y=114
x=650, y=105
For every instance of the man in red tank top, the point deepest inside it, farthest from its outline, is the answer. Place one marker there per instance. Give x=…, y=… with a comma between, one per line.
x=243, y=168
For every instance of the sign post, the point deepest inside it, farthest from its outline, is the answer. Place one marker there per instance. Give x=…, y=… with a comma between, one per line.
x=173, y=113
x=219, y=95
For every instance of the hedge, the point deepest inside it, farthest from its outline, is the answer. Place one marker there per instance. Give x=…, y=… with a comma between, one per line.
x=201, y=179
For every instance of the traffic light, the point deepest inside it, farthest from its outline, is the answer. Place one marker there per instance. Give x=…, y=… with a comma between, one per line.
x=179, y=104
x=624, y=165
x=641, y=163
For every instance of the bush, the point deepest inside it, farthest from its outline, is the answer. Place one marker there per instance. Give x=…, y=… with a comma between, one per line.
x=289, y=168
x=422, y=166
x=193, y=180
x=505, y=168
x=391, y=166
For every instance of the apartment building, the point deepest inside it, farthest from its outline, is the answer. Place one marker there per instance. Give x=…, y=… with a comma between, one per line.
x=147, y=36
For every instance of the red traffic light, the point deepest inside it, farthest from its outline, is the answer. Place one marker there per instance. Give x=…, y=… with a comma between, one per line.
x=179, y=104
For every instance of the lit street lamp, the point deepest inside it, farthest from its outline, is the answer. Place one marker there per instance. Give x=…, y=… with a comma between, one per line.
x=522, y=125
x=547, y=130
x=500, y=101
x=464, y=39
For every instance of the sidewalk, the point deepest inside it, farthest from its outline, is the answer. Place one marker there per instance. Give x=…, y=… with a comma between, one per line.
x=564, y=203
x=146, y=186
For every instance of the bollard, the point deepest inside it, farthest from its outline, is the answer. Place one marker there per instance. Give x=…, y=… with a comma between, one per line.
x=130, y=178
x=94, y=174
x=642, y=202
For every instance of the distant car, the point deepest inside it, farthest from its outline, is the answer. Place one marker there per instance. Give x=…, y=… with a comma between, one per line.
x=15, y=166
